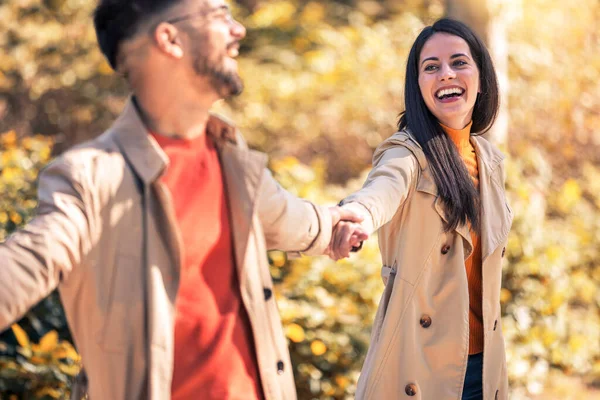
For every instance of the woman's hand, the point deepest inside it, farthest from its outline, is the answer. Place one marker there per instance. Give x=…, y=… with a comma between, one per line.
x=346, y=237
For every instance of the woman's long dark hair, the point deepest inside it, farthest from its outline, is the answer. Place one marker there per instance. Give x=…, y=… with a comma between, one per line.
x=455, y=187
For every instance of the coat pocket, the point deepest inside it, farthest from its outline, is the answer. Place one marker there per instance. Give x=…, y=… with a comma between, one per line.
x=388, y=274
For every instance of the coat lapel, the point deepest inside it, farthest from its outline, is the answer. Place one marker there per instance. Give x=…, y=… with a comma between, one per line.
x=427, y=185
x=243, y=170
x=496, y=218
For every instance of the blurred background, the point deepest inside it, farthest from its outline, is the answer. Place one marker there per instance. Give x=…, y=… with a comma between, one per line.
x=324, y=85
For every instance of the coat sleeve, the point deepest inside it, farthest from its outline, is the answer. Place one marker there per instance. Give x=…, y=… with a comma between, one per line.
x=35, y=259
x=386, y=188
x=290, y=223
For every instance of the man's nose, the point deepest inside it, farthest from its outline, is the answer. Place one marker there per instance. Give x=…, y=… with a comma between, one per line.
x=238, y=30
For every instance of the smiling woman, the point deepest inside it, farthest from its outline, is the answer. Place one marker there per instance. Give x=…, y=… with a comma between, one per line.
x=436, y=196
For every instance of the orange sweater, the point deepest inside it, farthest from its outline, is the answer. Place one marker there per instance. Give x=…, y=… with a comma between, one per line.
x=214, y=348
x=473, y=263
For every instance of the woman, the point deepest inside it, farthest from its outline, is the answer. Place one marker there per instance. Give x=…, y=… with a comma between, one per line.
x=436, y=196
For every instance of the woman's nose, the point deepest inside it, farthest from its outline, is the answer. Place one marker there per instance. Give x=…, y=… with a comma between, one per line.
x=446, y=72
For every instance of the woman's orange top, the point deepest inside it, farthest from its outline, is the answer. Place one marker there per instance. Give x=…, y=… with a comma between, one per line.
x=461, y=138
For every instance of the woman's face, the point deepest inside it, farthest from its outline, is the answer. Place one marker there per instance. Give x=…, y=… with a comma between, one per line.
x=449, y=79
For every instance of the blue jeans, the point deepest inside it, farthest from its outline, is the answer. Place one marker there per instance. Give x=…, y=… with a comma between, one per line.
x=473, y=389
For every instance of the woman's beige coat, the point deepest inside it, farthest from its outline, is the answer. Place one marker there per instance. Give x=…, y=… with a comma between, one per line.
x=420, y=338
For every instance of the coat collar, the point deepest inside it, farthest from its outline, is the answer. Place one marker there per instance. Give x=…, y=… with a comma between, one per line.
x=144, y=154
x=489, y=158
x=242, y=168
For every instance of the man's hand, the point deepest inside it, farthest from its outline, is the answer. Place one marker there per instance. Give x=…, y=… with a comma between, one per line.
x=346, y=237
x=347, y=233
x=340, y=214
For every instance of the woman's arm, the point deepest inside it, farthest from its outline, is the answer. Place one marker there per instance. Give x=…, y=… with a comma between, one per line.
x=386, y=188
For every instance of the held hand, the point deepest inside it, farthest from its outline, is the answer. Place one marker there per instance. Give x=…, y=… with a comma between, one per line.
x=340, y=214
x=345, y=237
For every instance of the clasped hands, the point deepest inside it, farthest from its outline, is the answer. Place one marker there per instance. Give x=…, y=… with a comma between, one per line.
x=347, y=233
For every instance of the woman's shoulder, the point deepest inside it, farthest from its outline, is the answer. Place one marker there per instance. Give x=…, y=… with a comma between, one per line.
x=488, y=150
x=404, y=142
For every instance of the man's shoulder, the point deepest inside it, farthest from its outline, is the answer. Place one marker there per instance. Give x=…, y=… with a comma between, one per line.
x=85, y=154
x=94, y=163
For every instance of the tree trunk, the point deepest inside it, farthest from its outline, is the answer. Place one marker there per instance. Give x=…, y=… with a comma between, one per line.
x=488, y=20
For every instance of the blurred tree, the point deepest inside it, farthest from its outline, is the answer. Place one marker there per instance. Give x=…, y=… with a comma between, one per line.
x=488, y=19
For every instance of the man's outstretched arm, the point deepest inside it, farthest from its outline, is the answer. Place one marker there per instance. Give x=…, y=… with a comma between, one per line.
x=294, y=224
x=35, y=259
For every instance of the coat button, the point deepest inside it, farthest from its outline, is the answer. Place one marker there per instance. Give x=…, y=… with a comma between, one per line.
x=268, y=293
x=425, y=321
x=495, y=324
x=411, y=389
x=445, y=249
x=280, y=368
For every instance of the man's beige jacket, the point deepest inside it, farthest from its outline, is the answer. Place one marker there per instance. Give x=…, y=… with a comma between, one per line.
x=420, y=339
x=106, y=236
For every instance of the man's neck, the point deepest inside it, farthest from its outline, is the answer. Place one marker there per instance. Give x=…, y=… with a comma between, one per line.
x=186, y=120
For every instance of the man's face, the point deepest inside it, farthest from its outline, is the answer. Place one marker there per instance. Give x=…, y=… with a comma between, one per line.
x=212, y=44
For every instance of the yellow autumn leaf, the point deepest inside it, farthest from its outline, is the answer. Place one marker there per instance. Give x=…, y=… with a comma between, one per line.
x=8, y=139
x=278, y=258
x=576, y=342
x=105, y=69
x=49, y=392
x=318, y=348
x=313, y=12
x=38, y=360
x=49, y=342
x=279, y=13
x=570, y=195
x=70, y=370
x=21, y=335
x=295, y=333
x=505, y=296
x=16, y=218
x=66, y=350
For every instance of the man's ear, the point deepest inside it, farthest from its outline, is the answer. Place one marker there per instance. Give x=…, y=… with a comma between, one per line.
x=168, y=39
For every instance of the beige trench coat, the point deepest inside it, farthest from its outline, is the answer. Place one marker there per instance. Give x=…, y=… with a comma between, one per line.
x=420, y=338
x=106, y=235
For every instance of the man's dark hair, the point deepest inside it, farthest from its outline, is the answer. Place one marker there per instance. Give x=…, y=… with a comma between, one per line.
x=455, y=187
x=118, y=20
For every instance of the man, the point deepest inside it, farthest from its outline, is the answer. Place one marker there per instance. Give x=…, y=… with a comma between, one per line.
x=156, y=232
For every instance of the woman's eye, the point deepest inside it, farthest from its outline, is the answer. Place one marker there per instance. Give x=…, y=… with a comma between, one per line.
x=460, y=63
x=430, y=67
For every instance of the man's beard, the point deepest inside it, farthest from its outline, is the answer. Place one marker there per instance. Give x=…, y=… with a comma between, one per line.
x=226, y=83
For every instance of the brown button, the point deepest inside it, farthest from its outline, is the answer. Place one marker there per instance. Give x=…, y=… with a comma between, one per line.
x=445, y=249
x=411, y=389
x=495, y=324
x=503, y=251
x=425, y=321
x=280, y=369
